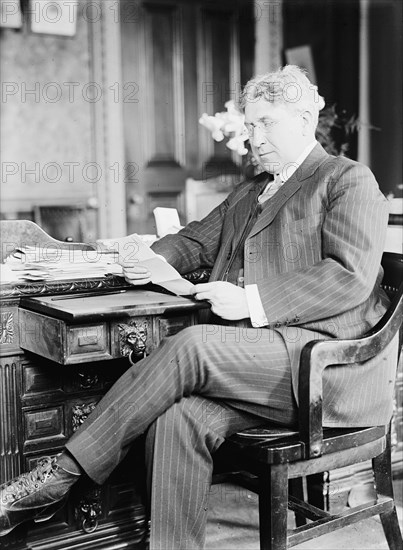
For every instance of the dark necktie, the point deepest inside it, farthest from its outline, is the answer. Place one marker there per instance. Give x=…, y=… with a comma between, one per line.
x=272, y=189
x=234, y=268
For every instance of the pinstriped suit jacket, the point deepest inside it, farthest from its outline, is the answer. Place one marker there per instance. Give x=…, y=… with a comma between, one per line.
x=314, y=253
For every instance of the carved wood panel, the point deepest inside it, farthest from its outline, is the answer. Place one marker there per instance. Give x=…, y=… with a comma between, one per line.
x=9, y=331
x=10, y=425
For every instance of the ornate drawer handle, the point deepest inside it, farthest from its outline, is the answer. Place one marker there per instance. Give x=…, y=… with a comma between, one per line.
x=89, y=525
x=89, y=510
x=133, y=339
x=87, y=378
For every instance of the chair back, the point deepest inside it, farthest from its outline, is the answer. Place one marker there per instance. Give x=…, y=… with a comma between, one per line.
x=392, y=283
x=392, y=264
x=319, y=354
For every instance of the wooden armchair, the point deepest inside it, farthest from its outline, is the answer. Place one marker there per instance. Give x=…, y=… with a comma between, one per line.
x=265, y=465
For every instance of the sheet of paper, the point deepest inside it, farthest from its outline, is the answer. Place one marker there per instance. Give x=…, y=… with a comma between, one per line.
x=166, y=221
x=130, y=249
x=163, y=274
x=180, y=287
x=160, y=270
x=36, y=264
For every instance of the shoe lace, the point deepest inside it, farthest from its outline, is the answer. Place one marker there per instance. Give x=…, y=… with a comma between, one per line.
x=29, y=482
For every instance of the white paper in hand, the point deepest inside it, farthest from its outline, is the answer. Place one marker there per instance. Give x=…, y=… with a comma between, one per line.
x=130, y=249
x=133, y=249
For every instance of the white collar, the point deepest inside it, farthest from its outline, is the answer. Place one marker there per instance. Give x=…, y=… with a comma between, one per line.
x=288, y=170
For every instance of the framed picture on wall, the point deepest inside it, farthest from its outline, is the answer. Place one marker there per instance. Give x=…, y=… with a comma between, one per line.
x=10, y=14
x=58, y=17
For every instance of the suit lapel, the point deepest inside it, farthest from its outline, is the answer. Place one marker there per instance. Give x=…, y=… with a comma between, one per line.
x=290, y=187
x=244, y=208
x=274, y=204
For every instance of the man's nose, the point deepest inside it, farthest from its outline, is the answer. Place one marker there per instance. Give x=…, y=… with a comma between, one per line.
x=258, y=138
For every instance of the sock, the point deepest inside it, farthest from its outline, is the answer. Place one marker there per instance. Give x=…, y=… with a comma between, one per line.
x=66, y=461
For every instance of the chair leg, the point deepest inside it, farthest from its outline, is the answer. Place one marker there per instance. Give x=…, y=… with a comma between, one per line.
x=382, y=466
x=296, y=489
x=273, y=507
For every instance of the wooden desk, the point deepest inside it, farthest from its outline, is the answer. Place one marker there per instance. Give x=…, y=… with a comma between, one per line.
x=57, y=358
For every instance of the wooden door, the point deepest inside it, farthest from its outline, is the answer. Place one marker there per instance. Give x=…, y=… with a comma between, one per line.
x=180, y=59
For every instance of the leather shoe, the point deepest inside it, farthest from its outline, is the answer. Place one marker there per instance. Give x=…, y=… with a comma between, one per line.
x=36, y=495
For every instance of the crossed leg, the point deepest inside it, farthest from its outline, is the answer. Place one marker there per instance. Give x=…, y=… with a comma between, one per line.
x=176, y=389
x=179, y=448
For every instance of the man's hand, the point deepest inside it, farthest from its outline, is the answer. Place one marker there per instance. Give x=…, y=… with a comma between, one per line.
x=227, y=300
x=135, y=273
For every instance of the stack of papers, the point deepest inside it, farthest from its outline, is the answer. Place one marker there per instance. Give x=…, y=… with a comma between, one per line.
x=34, y=263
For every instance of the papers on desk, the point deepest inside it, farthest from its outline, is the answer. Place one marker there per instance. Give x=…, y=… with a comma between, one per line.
x=6, y=274
x=33, y=263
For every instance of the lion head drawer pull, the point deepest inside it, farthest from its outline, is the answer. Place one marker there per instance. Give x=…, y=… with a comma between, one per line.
x=133, y=339
x=87, y=377
x=89, y=510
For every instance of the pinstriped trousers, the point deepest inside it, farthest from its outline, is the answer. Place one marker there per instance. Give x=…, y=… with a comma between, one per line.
x=195, y=389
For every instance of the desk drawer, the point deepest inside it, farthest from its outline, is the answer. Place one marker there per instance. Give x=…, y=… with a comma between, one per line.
x=44, y=423
x=86, y=340
x=44, y=428
x=41, y=380
x=50, y=426
x=70, y=344
x=76, y=330
x=62, y=342
x=44, y=381
x=168, y=326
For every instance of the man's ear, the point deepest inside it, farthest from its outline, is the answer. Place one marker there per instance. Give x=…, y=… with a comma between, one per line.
x=307, y=122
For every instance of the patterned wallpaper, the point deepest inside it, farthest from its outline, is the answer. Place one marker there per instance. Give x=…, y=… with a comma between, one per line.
x=46, y=118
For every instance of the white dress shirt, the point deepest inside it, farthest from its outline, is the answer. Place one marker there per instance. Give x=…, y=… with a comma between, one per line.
x=256, y=311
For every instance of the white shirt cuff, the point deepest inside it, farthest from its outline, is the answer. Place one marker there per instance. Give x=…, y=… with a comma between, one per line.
x=257, y=315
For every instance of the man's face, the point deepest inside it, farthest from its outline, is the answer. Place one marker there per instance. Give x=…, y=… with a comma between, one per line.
x=276, y=134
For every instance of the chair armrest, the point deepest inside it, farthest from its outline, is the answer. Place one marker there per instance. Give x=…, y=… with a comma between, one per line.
x=317, y=355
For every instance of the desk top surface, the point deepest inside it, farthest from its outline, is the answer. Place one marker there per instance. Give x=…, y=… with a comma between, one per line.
x=87, y=308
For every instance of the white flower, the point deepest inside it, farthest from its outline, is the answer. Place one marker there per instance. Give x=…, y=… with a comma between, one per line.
x=228, y=123
x=237, y=144
x=232, y=110
x=213, y=124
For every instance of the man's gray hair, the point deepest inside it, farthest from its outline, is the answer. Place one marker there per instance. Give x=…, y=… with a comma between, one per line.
x=289, y=86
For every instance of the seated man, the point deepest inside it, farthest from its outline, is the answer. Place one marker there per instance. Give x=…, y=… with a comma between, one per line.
x=292, y=260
